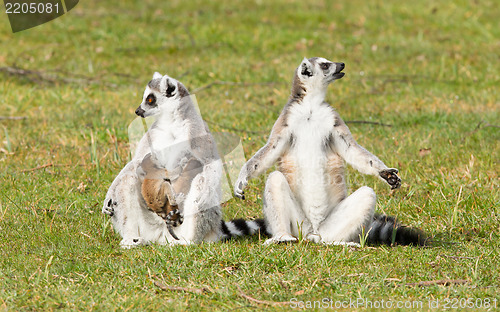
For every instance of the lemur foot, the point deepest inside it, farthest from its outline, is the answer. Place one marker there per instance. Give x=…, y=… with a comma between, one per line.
x=347, y=244
x=128, y=243
x=390, y=175
x=182, y=242
x=285, y=238
x=314, y=237
x=109, y=208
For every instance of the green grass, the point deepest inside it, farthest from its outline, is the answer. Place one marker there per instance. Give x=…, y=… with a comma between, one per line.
x=430, y=69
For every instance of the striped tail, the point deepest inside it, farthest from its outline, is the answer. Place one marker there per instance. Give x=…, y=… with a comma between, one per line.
x=241, y=227
x=386, y=230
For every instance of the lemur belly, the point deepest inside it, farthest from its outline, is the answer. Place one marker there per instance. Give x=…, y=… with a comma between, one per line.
x=332, y=181
x=307, y=166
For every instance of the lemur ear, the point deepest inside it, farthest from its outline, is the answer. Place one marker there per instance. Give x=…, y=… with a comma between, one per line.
x=168, y=86
x=156, y=75
x=306, y=68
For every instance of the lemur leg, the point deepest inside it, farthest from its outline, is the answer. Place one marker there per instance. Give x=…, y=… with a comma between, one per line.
x=201, y=209
x=127, y=210
x=186, y=231
x=127, y=214
x=344, y=224
x=281, y=210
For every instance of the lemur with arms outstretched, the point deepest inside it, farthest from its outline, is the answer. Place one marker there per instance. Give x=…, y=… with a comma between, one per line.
x=308, y=192
x=141, y=197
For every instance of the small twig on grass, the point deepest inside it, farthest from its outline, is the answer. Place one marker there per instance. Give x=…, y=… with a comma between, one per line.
x=13, y=117
x=439, y=282
x=481, y=124
x=234, y=129
x=40, y=77
x=232, y=83
x=458, y=257
x=31, y=75
x=191, y=38
x=367, y=122
x=198, y=291
x=271, y=303
x=38, y=168
x=13, y=202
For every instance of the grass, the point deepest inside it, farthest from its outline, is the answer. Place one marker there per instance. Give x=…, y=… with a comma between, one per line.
x=430, y=70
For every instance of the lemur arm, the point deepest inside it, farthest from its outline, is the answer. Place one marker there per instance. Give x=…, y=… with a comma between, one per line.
x=276, y=145
x=358, y=157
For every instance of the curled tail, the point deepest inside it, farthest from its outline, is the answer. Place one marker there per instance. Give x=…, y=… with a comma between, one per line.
x=386, y=230
x=241, y=227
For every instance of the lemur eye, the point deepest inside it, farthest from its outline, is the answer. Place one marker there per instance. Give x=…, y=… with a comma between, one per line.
x=151, y=99
x=324, y=66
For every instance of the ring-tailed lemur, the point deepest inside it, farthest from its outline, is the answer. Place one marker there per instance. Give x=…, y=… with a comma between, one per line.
x=163, y=190
x=179, y=134
x=308, y=193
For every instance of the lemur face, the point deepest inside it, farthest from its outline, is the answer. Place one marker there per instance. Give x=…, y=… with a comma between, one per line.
x=319, y=71
x=162, y=92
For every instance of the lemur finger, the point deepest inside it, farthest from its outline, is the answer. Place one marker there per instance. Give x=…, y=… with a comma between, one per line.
x=394, y=184
x=239, y=194
x=109, y=207
x=394, y=181
x=239, y=187
x=171, y=231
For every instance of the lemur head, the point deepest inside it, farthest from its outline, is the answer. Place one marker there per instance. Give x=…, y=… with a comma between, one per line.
x=162, y=93
x=318, y=73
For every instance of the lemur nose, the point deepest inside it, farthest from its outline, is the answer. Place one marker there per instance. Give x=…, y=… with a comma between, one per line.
x=140, y=112
x=340, y=67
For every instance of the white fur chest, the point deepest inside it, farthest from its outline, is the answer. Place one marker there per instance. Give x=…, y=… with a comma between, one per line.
x=310, y=123
x=169, y=140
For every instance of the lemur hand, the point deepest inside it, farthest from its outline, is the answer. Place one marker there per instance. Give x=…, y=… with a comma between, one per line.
x=390, y=175
x=174, y=217
x=240, y=184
